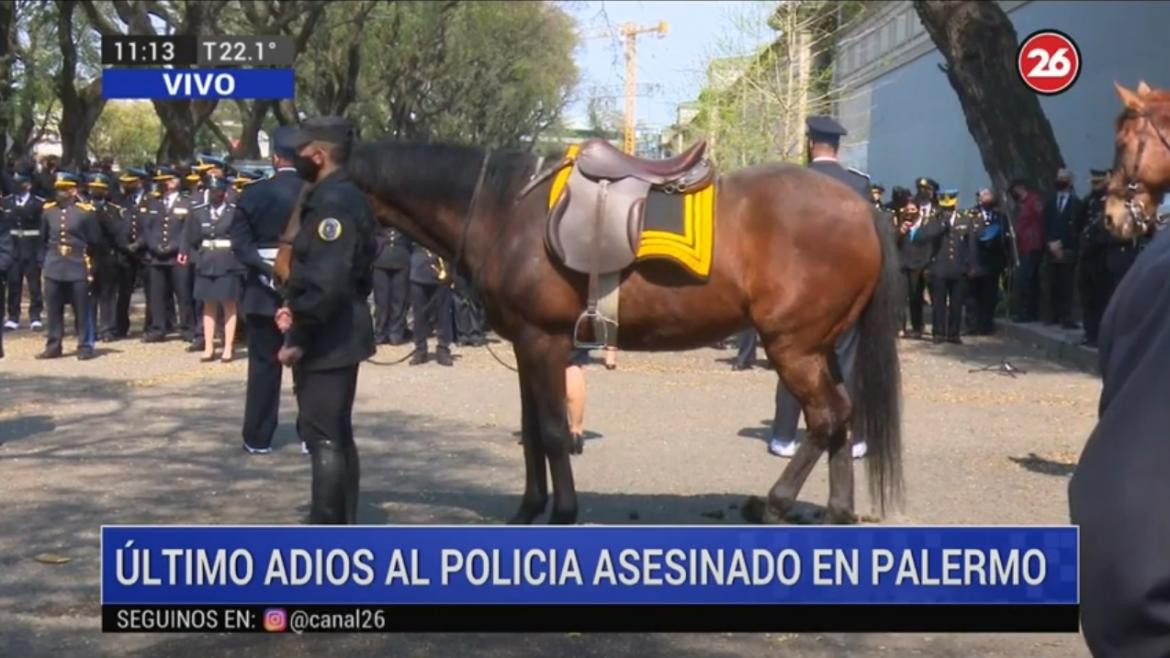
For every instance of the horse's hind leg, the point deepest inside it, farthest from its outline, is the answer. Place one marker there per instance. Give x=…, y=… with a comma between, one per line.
x=840, y=508
x=808, y=379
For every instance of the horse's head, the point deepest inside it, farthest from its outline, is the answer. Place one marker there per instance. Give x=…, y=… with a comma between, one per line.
x=1141, y=161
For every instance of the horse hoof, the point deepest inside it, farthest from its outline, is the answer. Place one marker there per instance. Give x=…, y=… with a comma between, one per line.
x=758, y=511
x=836, y=516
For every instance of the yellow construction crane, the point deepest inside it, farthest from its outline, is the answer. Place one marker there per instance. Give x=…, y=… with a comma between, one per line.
x=629, y=34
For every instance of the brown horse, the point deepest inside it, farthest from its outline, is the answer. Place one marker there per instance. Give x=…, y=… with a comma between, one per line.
x=797, y=255
x=1141, y=162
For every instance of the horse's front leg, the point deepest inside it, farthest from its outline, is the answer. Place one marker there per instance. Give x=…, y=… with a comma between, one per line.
x=535, y=474
x=542, y=359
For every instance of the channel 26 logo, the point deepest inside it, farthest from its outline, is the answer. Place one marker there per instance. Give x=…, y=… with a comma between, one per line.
x=1049, y=62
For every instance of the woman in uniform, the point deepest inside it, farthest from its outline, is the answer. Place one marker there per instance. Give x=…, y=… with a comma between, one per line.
x=219, y=277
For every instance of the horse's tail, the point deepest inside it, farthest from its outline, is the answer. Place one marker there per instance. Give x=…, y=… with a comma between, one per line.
x=877, y=408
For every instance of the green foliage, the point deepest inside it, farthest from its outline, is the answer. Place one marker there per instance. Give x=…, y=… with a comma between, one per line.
x=494, y=73
x=127, y=130
x=753, y=108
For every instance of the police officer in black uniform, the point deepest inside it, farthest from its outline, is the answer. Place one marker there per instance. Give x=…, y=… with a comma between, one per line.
x=7, y=256
x=70, y=229
x=162, y=230
x=391, y=285
x=953, y=236
x=468, y=313
x=1119, y=486
x=23, y=208
x=105, y=257
x=261, y=215
x=991, y=253
x=430, y=297
x=128, y=262
x=1092, y=271
x=326, y=315
x=824, y=137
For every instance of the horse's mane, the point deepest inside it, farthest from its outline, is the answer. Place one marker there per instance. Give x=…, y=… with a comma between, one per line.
x=446, y=173
x=1157, y=103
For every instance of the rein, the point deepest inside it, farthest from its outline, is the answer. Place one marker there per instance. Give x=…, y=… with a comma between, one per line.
x=1137, y=212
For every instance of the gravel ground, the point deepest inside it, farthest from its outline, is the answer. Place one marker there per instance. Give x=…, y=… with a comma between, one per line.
x=146, y=434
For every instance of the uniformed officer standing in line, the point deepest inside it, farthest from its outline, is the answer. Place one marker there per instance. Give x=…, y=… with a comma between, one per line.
x=430, y=297
x=70, y=228
x=162, y=229
x=953, y=237
x=391, y=285
x=914, y=255
x=24, y=209
x=128, y=264
x=193, y=196
x=1092, y=272
x=991, y=252
x=104, y=258
x=7, y=256
x=218, y=275
x=468, y=313
x=824, y=138
x=261, y=216
x=330, y=331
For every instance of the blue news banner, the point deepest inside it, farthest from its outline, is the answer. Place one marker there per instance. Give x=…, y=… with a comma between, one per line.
x=161, y=84
x=589, y=578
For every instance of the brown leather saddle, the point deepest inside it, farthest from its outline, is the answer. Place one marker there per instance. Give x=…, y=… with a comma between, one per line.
x=596, y=224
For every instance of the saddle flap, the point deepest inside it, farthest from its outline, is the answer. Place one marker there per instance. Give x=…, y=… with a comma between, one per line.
x=589, y=237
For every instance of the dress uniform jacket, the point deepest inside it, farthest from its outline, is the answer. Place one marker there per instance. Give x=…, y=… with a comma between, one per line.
x=953, y=235
x=261, y=215
x=330, y=277
x=208, y=241
x=423, y=266
x=394, y=249
x=69, y=232
x=24, y=212
x=1116, y=492
x=832, y=168
x=163, y=229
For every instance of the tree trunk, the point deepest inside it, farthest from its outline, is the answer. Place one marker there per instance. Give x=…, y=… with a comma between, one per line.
x=181, y=121
x=79, y=109
x=252, y=117
x=979, y=43
x=7, y=37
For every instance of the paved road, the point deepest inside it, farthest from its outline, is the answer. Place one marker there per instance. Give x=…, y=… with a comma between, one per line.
x=146, y=434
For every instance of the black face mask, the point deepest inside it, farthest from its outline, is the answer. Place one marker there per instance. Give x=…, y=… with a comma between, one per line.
x=1061, y=185
x=987, y=205
x=306, y=168
x=923, y=197
x=63, y=198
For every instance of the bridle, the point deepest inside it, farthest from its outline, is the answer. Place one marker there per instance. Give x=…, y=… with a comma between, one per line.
x=1146, y=219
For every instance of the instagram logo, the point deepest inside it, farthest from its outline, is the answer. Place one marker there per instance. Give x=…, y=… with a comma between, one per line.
x=275, y=620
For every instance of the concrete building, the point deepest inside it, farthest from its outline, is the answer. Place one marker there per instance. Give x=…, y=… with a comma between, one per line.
x=905, y=119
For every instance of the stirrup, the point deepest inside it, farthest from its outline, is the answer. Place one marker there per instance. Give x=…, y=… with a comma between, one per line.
x=600, y=326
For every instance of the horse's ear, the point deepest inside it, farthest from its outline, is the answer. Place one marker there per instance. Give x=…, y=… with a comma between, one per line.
x=1143, y=88
x=1128, y=98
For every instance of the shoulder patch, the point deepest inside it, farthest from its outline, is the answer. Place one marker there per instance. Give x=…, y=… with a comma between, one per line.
x=84, y=206
x=329, y=229
x=858, y=172
x=51, y=204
